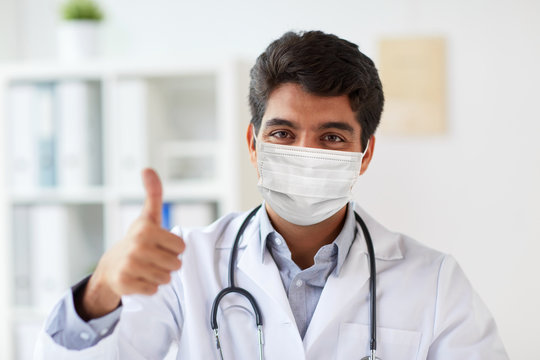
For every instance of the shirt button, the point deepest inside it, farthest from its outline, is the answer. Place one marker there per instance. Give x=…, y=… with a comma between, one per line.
x=299, y=283
x=84, y=336
x=278, y=241
x=103, y=332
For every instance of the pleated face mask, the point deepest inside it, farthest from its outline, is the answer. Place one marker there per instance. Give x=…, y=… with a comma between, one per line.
x=306, y=185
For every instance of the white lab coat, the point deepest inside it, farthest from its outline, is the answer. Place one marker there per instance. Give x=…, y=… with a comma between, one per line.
x=426, y=308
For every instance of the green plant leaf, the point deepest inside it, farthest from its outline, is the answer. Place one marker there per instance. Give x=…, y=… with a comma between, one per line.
x=81, y=10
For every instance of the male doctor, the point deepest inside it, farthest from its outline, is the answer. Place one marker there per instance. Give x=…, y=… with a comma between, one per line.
x=316, y=101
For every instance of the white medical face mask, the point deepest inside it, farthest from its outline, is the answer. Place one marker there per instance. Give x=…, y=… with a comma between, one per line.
x=306, y=185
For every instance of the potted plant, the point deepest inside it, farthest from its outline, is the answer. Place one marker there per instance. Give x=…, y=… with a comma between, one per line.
x=78, y=31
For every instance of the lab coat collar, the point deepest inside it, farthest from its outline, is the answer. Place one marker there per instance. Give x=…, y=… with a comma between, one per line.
x=387, y=244
x=343, y=241
x=264, y=274
x=338, y=292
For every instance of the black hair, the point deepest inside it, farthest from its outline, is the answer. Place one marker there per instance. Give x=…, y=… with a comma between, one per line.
x=322, y=64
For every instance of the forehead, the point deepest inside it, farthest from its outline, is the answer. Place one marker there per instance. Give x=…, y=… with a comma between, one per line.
x=290, y=102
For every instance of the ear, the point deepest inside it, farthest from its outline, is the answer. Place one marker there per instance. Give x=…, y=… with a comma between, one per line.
x=368, y=155
x=251, y=145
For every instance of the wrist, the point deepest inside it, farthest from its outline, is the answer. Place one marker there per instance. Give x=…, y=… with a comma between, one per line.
x=96, y=299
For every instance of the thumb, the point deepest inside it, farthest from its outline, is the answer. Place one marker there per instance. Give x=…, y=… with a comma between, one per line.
x=154, y=196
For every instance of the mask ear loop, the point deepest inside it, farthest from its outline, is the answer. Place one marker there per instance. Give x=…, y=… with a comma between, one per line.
x=365, y=149
x=254, y=137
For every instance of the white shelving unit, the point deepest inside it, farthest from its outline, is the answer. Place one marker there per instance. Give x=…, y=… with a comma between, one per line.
x=187, y=121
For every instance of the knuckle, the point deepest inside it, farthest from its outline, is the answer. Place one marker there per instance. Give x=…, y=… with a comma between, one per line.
x=123, y=277
x=160, y=278
x=150, y=289
x=166, y=278
x=139, y=231
x=130, y=263
x=131, y=255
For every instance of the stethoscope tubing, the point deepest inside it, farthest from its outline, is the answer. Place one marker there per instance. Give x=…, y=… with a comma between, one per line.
x=232, y=288
x=372, y=284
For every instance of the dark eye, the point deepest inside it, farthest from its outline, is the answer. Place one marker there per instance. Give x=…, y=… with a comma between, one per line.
x=280, y=134
x=333, y=138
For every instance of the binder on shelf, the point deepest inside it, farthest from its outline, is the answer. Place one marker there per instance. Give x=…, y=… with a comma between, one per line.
x=49, y=254
x=65, y=244
x=24, y=161
x=166, y=216
x=79, y=134
x=131, y=132
x=46, y=142
x=21, y=256
x=85, y=240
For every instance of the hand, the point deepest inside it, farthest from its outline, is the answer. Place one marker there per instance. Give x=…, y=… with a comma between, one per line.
x=139, y=263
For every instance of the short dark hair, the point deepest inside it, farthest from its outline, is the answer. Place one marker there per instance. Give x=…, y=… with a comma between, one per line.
x=324, y=65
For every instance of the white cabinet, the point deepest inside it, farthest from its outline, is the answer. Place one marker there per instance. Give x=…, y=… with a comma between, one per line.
x=74, y=140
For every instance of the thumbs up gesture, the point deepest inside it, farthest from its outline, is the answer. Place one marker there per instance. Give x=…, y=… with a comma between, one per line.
x=137, y=264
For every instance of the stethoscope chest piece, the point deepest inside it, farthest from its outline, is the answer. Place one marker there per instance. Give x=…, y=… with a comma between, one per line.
x=371, y=356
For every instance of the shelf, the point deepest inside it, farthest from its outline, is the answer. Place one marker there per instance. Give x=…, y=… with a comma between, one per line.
x=76, y=196
x=177, y=192
x=173, y=192
x=183, y=119
x=47, y=71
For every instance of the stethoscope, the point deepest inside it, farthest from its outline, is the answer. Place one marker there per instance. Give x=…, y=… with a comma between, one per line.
x=232, y=288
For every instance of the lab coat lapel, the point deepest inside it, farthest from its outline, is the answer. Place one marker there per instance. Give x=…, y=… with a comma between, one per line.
x=340, y=291
x=351, y=284
x=265, y=273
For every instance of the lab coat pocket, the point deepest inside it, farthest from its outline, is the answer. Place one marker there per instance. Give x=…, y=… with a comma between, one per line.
x=353, y=343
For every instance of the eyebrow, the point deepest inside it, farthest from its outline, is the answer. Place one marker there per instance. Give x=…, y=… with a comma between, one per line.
x=327, y=125
x=279, y=122
x=337, y=125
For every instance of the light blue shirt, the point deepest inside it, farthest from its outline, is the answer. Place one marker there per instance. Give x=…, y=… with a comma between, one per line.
x=303, y=287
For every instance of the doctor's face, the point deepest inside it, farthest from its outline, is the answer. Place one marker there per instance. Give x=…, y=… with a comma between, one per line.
x=297, y=118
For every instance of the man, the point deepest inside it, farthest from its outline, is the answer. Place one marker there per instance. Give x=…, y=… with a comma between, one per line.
x=316, y=102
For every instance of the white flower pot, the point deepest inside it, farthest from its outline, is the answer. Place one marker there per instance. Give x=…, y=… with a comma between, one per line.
x=77, y=40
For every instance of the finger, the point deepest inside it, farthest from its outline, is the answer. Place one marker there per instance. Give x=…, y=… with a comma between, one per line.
x=149, y=273
x=170, y=242
x=154, y=196
x=160, y=258
x=139, y=286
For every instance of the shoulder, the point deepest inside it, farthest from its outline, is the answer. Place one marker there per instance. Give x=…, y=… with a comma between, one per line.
x=391, y=245
x=404, y=255
x=220, y=233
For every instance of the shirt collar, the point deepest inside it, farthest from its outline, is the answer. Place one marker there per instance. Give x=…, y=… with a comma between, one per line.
x=343, y=241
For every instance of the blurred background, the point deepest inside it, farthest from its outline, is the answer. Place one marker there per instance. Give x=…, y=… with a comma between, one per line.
x=85, y=104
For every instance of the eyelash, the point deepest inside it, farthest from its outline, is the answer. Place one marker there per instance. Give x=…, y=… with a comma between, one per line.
x=336, y=136
x=324, y=137
x=273, y=133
